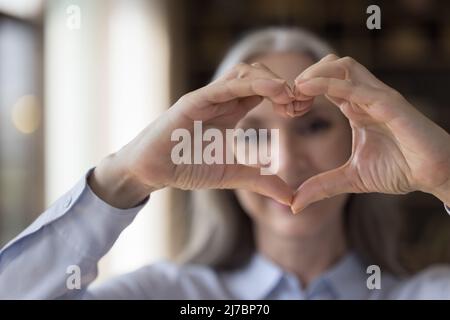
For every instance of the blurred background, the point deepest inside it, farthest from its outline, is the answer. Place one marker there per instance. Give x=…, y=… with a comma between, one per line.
x=80, y=78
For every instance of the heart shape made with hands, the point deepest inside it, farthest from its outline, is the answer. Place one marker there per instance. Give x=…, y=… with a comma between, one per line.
x=391, y=147
x=315, y=188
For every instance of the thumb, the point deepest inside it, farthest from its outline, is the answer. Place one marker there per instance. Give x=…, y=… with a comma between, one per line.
x=325, y=185
x=250, y=178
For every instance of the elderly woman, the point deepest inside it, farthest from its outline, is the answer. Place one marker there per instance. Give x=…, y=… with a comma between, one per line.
x=341, y=131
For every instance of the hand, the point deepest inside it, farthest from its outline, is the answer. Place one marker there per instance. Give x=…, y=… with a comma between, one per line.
x=395, y=148
x=145, y=164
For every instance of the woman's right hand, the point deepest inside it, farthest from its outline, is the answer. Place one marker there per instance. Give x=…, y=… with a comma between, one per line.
x=128, y=176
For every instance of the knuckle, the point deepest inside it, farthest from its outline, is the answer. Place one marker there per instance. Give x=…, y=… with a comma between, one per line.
x=392, y=95
x=331, y=56
x=241, y=67
x=190, y=99
x=185, y=98
x=260, y=65
x=244, y=70
x=348, y=62
x=238, y=71
x=395, y=94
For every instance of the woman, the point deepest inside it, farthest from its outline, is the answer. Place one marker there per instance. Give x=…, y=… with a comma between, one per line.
x=341, y=131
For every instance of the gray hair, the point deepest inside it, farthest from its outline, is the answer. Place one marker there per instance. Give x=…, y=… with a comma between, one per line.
x=272, y=40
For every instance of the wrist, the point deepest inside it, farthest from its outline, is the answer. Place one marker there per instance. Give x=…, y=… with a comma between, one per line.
x=117, y=186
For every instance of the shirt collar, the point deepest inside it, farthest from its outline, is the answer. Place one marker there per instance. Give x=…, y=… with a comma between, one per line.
x=255, y=280
x=345, y=280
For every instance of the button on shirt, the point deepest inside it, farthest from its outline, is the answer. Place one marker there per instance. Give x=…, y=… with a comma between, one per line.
x=80, y=228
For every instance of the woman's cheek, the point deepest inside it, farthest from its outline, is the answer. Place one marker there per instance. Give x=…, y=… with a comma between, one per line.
x=251, y=202
x=334, y=149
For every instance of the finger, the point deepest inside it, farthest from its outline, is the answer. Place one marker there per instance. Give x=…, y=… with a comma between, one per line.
x=250, y=102
x=329, y=67
x=220, y=92
x=322, y=70
x=310, y=71
x=266, y=70
x=380, y=104
x=342, y=68
x=258, y=70
x=280, y=109
x=254, y=70
x=302, y=107
x=250, y=178
x=360, y=74
x=329, y=57
x=298, y=108
x=263, y=71
x=325, y=185
x=337, y=88
x=290, y=110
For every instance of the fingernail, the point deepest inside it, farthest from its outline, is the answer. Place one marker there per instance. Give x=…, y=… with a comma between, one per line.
x=290, y=109
x=299, y=106
x=289, y=92
x=298, y=94
x=296, y=211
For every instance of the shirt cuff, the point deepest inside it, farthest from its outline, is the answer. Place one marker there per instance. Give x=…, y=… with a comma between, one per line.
x=92, y=225
x=447, y=208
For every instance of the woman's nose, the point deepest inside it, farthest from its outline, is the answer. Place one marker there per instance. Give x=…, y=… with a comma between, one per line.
x=292, y=161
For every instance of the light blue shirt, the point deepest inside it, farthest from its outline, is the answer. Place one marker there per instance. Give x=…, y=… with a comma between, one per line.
x=80, y=228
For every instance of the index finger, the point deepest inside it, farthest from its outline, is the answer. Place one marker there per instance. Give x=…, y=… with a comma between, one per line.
x=276, y=90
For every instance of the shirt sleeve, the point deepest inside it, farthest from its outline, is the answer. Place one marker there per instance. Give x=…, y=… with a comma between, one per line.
x=56, y=256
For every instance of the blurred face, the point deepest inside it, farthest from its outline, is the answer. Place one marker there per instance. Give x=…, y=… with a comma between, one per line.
x=313, y=143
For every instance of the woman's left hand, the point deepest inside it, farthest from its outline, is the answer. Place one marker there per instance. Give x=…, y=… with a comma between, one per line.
x=395, y=148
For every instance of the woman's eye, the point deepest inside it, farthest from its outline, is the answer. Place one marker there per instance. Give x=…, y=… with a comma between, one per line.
x=313, y=127
x=257, y=132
